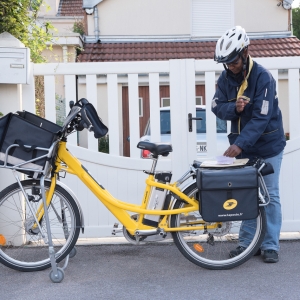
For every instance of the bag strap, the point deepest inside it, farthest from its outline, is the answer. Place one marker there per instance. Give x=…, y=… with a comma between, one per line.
x=22, y=146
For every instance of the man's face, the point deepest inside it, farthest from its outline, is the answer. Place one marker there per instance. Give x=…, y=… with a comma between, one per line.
x=236, y=66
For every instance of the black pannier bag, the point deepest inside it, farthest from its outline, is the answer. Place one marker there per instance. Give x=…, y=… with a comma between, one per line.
x=228, y=194
x=24, y=128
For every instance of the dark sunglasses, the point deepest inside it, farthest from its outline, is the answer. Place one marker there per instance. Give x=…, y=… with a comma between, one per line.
x=235, y=62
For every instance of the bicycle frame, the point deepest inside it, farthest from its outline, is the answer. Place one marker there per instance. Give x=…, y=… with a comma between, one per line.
x=67, y=162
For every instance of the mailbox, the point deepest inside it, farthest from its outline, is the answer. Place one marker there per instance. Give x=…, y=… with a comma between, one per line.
x=14, y=65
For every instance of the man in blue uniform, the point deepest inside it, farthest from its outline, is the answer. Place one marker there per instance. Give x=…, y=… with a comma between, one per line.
x=246, y=95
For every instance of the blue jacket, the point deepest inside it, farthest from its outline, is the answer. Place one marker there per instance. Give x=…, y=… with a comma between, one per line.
x=261, y=130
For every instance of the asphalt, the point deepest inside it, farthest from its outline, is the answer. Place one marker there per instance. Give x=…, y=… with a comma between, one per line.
x=115, y=269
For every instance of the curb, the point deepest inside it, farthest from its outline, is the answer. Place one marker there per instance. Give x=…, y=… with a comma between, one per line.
x=284, y=236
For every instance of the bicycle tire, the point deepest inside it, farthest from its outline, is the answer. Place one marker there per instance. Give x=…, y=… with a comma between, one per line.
x=211, y=249
x=24, y=248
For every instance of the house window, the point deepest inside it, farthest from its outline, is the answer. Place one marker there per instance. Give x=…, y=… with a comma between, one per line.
x=166, y=101
x=199, y=100
x=212, y=17
x=140, y=107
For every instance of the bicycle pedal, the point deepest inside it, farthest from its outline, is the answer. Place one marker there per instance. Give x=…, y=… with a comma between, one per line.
x=116, y=229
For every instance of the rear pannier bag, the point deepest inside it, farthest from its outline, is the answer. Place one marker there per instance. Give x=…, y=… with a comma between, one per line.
x=25, y=128
x=228, y=194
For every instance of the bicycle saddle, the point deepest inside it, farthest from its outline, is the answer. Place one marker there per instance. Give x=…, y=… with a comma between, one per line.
x=156, y=149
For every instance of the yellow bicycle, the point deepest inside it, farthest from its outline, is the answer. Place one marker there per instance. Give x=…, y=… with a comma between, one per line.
x=40, y=219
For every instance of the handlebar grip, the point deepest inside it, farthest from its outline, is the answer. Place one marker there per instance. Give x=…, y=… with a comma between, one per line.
x=92, y=121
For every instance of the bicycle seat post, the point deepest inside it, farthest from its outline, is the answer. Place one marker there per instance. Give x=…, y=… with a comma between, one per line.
x=153, y=164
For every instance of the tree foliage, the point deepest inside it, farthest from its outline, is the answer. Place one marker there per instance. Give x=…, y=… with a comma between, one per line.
x=296, y=22
x=19, y=18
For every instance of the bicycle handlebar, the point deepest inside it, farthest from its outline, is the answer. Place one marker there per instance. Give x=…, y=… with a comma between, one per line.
x=92, y=122
x=83, y=115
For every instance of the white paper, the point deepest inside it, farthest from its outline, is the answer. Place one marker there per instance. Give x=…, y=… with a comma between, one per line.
x=224, y=160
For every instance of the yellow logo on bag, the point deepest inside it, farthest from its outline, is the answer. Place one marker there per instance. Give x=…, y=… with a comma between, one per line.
x=230, y=204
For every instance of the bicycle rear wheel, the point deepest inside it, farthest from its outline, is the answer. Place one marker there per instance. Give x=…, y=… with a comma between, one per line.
x=210, y=247
x=23, y=247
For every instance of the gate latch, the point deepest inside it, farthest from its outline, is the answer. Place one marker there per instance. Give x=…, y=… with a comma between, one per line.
x=190, y=122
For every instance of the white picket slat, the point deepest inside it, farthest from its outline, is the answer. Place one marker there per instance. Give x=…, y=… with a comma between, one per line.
x=294, y=105
x=91, y=95
x=134, y=122
x=154, y=107
x=70, y=95
x=50, y=111
x=211, y=136
x=113, y=114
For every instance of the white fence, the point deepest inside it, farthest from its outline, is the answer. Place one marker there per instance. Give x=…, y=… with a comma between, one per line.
x=122, y=176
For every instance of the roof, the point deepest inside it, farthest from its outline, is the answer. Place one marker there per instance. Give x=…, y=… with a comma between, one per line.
x=143, y=51
x=70, y=8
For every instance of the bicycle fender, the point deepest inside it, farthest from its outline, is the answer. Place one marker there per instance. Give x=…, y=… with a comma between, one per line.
x=64, y=186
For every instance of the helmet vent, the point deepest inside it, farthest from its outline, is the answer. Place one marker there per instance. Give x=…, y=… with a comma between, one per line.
x=228, y=45
x=232, y=35
x=239, y=37
x=221, y=45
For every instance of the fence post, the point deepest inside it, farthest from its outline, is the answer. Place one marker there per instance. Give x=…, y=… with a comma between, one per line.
x=294, y=107
x=182, y=100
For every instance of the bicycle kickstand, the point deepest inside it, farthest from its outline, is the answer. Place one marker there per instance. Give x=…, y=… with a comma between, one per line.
x=57, y=274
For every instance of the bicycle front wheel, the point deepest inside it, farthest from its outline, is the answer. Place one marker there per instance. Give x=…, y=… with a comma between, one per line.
x=214, y=245
x=22, y=246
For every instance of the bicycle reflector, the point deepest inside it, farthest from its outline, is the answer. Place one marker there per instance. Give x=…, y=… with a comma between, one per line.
x=198, y=248
x=2, y=240
x=146, y=153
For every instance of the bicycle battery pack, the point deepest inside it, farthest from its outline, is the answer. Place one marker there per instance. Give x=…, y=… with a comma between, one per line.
x=228, y=194
x=157, y=199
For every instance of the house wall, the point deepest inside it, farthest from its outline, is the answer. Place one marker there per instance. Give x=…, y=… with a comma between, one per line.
x=151, y=17
x=162, y=17
x=49, y=8
x=268, y=16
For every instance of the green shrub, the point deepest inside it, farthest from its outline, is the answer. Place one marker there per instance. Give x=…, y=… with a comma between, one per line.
x=103, y=144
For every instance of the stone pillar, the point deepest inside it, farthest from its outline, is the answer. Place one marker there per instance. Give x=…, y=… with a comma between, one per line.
x=16, y=93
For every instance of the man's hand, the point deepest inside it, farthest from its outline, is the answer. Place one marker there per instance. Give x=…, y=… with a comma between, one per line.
x=240, y=104
x=233, y=151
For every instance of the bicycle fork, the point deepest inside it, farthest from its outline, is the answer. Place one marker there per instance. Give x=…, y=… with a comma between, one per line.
x=50, y=242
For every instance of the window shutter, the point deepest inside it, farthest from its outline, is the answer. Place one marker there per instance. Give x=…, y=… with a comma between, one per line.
x=211, y=17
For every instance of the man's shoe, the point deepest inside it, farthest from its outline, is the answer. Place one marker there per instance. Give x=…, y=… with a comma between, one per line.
x=270, y=256
x=239, y=250
x=257, y=253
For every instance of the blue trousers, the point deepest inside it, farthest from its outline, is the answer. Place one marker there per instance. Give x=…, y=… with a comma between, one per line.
x=273, y=212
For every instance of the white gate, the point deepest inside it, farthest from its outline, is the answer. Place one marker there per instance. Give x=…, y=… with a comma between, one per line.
x=122, y=176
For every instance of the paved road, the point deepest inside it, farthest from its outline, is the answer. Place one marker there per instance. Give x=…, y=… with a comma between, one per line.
x=156, y=271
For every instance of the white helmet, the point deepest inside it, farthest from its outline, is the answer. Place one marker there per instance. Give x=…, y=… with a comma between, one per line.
x=230, y=44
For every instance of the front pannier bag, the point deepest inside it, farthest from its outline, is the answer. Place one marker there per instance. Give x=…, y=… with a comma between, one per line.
x=25, y=128
x=228, y=194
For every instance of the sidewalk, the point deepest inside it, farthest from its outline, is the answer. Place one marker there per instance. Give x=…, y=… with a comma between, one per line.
x=156, y=271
